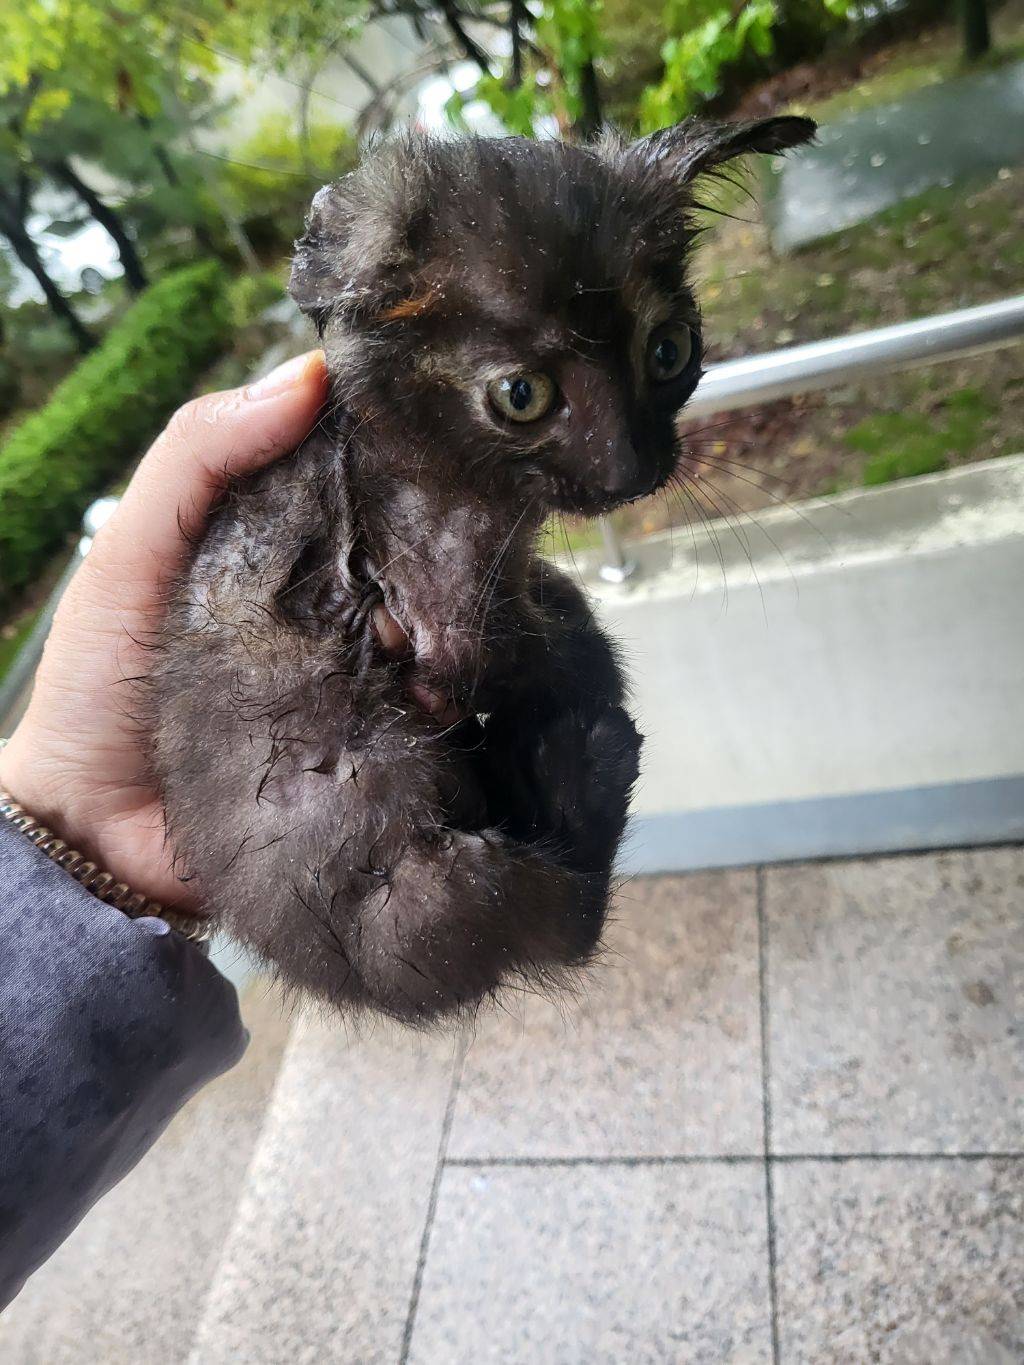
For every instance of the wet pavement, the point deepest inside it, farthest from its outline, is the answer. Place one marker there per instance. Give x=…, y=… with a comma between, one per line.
x=869, y=161
x=782, y=1122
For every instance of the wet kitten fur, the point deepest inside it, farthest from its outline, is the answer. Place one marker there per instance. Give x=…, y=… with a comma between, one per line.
x=372, y=854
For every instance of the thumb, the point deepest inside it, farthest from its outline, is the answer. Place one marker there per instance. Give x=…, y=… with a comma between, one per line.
x=188, y=466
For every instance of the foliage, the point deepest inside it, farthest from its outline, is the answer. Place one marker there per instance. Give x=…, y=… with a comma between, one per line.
x=123, y=55
x=702, y=44
x=99, y=419
x=272, y=176
x=280, y=33
x=250, y=295
x=13, y=636
x=705, y=38
x=125, y=88
x=568, y=32
x=567, y=42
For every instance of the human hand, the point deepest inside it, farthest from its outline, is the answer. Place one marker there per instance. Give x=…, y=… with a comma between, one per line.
x=76, y=761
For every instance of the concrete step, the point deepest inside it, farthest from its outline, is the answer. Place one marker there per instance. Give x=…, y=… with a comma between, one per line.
x=321, y=1258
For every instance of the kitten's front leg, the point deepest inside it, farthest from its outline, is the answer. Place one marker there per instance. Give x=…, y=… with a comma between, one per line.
x=564, y=782
x=563, y=754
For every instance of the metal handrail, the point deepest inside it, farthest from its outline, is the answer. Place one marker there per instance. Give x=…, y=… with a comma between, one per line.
x=825, y=364
x=733, y=384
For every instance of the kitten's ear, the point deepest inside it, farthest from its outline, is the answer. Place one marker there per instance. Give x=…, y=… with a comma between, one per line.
x=365, y=234
x=689, y=148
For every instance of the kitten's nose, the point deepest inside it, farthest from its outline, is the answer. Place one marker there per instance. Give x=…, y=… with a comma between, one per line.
x=628, y=476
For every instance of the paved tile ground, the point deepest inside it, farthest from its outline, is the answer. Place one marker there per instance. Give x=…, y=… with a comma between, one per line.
x=648, y=1262
x=784, y=1122
x=660, y=1056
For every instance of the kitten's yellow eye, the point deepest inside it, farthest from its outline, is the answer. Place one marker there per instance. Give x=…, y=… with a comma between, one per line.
x=669, y=350
x=522, y=397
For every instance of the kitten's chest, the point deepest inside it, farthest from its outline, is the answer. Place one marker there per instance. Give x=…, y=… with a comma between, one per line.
x=454, y=572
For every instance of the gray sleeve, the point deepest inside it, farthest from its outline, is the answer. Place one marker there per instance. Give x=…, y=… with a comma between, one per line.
x=107, y=1026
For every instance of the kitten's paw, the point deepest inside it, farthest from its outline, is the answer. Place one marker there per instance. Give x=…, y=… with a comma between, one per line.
x=568, y=779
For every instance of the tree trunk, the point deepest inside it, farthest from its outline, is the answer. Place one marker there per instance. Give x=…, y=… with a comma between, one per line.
x=109, y=220
x=231, y=221
x=517, y=15
x=977, y=38
x=28, y=254
x=160, y=154
x=591, y=120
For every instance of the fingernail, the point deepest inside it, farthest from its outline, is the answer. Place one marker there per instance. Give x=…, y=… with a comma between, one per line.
x=286, y=376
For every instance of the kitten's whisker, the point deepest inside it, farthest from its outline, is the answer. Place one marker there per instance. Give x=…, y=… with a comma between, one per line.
x=712, y=534
x=767, y=535
x=687, y=432
x=780, y=501
x=673, y=488
x=742, y=539
x=490, y=583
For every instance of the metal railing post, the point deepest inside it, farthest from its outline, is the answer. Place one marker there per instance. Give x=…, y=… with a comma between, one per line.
x=615, y=566
x=827, y=364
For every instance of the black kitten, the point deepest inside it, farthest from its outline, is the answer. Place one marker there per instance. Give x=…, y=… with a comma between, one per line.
x=391, y=739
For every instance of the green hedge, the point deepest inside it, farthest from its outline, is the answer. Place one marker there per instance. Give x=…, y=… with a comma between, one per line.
x=100, y=419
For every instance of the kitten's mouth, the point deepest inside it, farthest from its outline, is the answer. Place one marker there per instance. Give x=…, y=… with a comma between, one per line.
x=579, y=501
x=588, y=502
x=391, y=635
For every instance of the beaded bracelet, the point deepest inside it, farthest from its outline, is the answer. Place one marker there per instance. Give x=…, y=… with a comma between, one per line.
x=103, y=885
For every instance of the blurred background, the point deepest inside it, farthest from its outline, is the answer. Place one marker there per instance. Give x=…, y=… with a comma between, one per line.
x=786, y=1119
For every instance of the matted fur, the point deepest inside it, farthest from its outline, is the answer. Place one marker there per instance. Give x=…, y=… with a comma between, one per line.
x=372, y=855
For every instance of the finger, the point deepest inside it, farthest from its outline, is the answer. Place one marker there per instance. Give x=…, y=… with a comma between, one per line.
x=204, y=444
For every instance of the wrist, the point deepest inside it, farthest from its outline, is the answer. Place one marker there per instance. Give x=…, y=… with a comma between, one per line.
x=22, y=770
x=95, y=879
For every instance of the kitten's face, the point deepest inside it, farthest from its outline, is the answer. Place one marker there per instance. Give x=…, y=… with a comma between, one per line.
x=522, y=305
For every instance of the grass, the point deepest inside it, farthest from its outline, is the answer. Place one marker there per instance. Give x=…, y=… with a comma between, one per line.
x=901, y=445
x=929, y=253
x=946, y=249
x=14, y=635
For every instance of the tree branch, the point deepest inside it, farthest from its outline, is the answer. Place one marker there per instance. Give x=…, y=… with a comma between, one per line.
x=107, y=217
x=515, y=20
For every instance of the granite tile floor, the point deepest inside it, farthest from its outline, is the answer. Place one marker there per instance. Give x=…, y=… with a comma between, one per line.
x=784, y=1121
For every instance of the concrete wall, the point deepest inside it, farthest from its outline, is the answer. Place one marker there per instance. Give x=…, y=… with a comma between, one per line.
x=856, y=686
